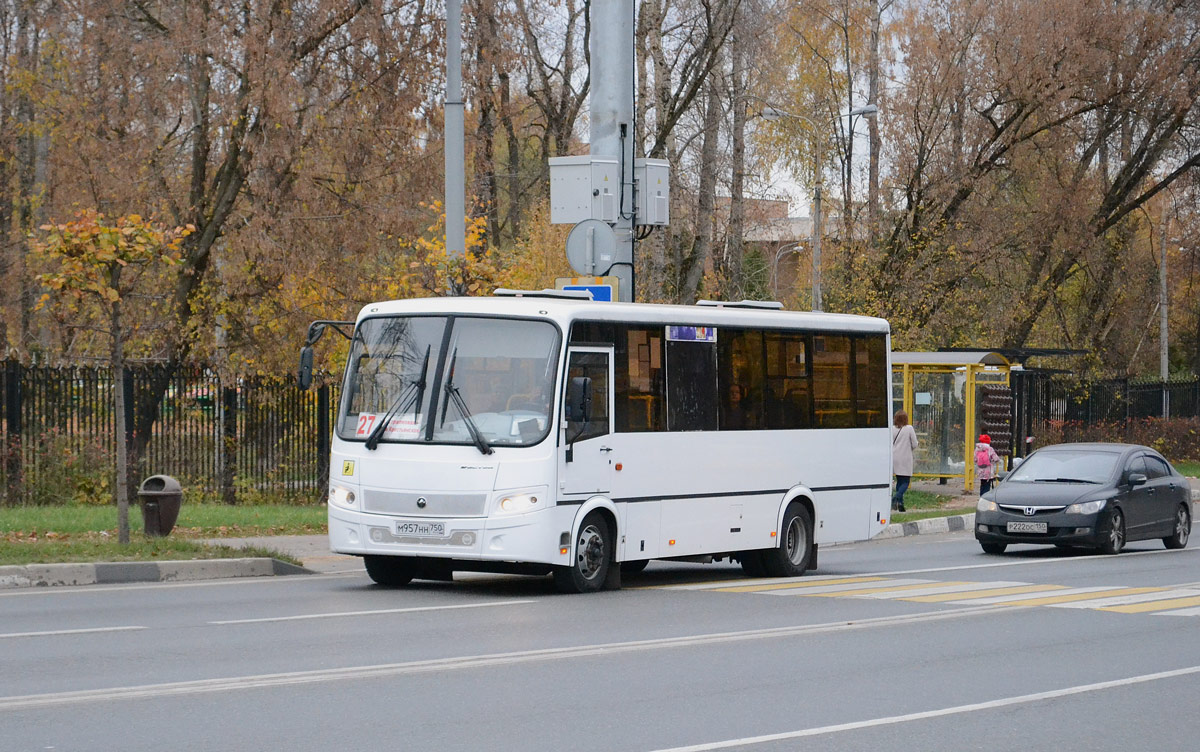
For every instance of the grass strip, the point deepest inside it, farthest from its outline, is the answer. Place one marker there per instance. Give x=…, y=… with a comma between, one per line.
x=195, y=521
x=98, y=547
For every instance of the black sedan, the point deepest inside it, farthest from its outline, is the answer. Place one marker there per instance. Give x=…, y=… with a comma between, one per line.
x=1088, y=495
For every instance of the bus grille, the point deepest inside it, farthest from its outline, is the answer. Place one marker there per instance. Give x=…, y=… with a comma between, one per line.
x=424, y=505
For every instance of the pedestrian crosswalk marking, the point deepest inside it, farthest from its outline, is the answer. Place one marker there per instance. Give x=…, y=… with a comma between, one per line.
x=765, y=588
x=1130, y=596
x=854, y=589
x=1141, y=608
x=890, y=589
x=1158, y=601
x=1080, y=594
x=945, y=587
x=985, y=593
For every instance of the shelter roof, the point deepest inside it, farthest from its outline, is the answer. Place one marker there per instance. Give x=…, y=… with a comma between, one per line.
x=955, y=358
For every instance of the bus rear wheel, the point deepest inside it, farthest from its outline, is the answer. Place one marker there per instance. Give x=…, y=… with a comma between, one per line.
x=795, y=546
x=391, y=571
x=593, y=557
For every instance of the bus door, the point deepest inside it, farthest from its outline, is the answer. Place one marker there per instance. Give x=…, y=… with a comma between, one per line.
x=585, y=455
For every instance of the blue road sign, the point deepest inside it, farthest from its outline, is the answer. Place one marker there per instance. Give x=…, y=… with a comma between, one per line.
x=599, y=292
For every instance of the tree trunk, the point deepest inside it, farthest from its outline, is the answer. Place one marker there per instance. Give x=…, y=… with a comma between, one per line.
x=734, y=288
x=873, y=207
x=702, y=245
x=121, y=439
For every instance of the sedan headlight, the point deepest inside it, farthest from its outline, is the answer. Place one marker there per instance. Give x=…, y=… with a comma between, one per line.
x=518, y=502
x=1087, y=507
x=341, y=496
x=983, y=505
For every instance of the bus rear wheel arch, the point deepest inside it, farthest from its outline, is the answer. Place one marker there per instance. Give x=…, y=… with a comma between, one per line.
x=794, y=554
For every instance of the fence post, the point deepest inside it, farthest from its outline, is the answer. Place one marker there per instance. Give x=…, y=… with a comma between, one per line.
x=323, y=440
x=12, y=439
x=229, y=404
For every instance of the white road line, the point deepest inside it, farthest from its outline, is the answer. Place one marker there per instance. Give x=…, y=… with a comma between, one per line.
x=746, y=582
x=848, y=588
x=1180, y=612
x=54, y=632
x=377, y=612
x=156, y=691
x=940, y=589
x=1124, y=600
x=1041, y=594
x=956, y=710
x=100, y=588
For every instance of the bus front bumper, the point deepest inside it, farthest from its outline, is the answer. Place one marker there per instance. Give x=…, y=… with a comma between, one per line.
x=532, y=537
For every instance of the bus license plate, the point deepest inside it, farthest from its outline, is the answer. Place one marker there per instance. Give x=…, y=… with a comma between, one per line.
x=422, y=529
x=1027, y=527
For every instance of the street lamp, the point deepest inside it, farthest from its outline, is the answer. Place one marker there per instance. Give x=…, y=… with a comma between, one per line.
x=774, y=113
x=791, y=248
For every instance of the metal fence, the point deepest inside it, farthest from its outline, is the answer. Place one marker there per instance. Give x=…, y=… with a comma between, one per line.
x=233, y=440
x=1040, y=398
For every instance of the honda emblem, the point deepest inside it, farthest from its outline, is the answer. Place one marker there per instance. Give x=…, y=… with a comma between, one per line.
x=1030, y=511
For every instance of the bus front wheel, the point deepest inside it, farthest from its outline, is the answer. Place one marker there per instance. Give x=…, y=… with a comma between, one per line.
x=593, y=557
x=391, y=571
x=792, y=557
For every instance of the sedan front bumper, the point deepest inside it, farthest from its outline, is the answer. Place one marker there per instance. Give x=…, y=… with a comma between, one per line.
x=1061, y=528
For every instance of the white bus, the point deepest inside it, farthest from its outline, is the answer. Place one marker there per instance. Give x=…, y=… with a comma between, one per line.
x=538, y=432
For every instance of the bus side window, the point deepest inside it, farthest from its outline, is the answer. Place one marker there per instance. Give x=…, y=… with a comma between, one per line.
x=594, y=367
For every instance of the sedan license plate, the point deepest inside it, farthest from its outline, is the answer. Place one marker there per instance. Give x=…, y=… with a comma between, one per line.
x=422, y=529
x=1027, y=527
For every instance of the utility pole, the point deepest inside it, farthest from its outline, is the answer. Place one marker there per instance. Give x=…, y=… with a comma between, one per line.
x=612, y=132
x=1164, y=365
x=456, y=229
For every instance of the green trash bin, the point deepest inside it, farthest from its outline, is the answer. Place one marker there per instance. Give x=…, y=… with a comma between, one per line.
x=159, y=497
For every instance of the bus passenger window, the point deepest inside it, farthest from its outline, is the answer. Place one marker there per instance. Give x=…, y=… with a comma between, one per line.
x=833, y=389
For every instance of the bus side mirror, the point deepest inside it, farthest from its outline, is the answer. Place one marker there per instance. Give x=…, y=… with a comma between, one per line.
x=304, y=375
x=579, y=399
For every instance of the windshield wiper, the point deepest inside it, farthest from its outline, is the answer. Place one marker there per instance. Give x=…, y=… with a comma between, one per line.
x=453, y=393
x=402, y=404
x=1065, y=480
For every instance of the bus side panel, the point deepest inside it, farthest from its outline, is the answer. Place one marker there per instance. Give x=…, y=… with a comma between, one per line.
x=640, y=538
x=702, y=477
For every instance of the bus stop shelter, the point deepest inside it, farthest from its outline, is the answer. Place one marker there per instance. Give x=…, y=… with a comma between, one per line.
x=951, y=398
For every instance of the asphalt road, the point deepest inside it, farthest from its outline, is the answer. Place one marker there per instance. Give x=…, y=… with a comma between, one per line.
x=917, y=643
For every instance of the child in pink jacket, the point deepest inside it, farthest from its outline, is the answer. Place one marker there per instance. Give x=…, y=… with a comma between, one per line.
x=987, y=462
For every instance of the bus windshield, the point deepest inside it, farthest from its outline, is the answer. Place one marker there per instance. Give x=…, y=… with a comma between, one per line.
x=502, y=370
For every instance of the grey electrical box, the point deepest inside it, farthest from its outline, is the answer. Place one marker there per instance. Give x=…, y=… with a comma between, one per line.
x=585, y=187
x=653, y=180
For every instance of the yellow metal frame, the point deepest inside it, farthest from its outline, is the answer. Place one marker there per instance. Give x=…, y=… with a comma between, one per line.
x=969, y=421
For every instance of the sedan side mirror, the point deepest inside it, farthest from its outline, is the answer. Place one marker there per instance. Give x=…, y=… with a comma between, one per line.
x=1137, y=479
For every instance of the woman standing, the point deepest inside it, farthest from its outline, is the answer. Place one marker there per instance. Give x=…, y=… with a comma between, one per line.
x=904, y=441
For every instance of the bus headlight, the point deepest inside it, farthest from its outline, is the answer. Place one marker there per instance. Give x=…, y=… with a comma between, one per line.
x=521, y=501
x=1087, y=507
x=342, y=496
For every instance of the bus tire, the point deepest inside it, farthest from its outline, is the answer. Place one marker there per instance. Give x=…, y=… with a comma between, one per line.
x=593, y=557
x=391, y=571
x=752, y=563
x=795, y=549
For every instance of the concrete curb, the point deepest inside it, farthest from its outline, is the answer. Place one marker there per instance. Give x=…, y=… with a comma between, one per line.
x=99, y=573
x=930, y=525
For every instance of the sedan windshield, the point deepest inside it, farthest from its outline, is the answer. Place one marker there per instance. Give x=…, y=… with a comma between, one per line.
x=1067, y=466
x=494, y=386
